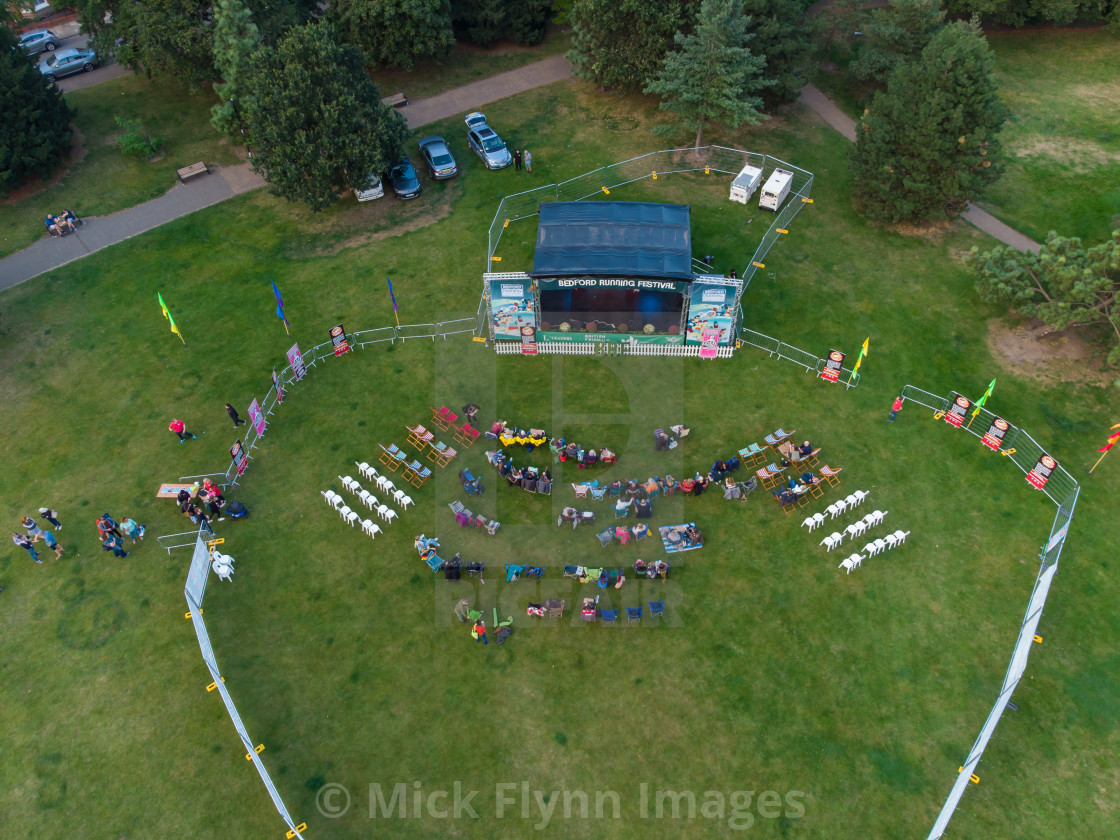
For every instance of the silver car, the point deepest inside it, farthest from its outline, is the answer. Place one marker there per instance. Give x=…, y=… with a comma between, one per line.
x=486, y=143
x=35, y=42
x=67, y=62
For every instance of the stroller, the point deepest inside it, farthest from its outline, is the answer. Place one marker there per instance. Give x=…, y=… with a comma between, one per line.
x=236, y=510
x=471, y=484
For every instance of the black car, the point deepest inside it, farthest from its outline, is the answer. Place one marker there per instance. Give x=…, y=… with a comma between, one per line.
x=404, y=180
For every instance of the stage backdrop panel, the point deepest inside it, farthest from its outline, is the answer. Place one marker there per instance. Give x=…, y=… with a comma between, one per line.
x=511, y=307
x=711, y=308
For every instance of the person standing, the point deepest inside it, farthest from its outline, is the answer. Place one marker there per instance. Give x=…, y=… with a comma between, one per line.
x=528, y=158
x=34, y=532
x=132, y=529
x=232, y=412
x=180, y=428
x=897, y=407
x=115, y=545
x=517, y=159
x=51, y=516
x=23, y=542
x=53, y=545
x=478, y=632
x=109, y=525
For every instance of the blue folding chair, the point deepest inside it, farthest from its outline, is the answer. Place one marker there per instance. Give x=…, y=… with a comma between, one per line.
x=656, y=607
x=609, y=616
x=598, y=493
x=513, y=572
x=633, y=614
x=573, y=571
x=606, y=536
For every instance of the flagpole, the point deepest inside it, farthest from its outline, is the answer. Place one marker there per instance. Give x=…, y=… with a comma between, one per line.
x=980, y=404
x=1095, y=465
x=393, y=298
x=862, y=353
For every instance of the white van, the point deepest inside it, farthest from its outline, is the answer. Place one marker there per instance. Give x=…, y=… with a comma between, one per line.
x=372, y=189
x=776, y=189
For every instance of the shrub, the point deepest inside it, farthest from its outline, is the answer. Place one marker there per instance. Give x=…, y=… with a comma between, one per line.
x=135, y=142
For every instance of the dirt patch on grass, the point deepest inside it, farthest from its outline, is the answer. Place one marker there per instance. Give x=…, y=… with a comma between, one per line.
x=1105, y=95
x=37, y=185
x=1028, y=349
x=1081, y=156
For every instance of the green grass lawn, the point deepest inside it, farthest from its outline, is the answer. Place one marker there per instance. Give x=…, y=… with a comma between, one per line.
x=104, y=180
x=854, y=697
x=468, y=64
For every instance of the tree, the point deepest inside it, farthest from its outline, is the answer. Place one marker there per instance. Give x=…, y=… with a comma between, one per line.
x=1065, y=284
x=395, y=33
x=36, y=134
x=895, y=36
x=483, y=22
x=928, y=145
x=785, y=37
x=1021, y=12
x=619, y=44
x=712, y=74
x=316, y=119
x=236, y=40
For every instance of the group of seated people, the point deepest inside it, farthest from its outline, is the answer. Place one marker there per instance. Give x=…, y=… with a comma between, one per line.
x=62, y=224
x=528, y=478
x=658, y=568
x=790, y=492
x=500, y=430
x=793, y=454
x=643, y=507
x=687, y=535
x=584, y=458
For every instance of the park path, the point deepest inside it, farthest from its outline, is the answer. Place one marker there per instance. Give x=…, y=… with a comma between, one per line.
x=812, y=98
x=227, y=181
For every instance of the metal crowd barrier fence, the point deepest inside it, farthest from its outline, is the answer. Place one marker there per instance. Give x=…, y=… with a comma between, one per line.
x=1061, y=488
x=194, y=591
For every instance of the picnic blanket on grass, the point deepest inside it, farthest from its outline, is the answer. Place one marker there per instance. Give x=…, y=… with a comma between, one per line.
x=681, y=545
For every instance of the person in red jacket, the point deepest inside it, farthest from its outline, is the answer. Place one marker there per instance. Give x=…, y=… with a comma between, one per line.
x=897, y=407
x=479, y=632
x=180, y=428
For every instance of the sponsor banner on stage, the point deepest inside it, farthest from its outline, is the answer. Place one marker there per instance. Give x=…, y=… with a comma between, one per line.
x=528, y=341
x=511, y=307
x=709, y=344
x=295, y=359
x=711, y=308
x=832, y=366
x=993, y=438
x=958, y=411
x=257, y=418
x=340, y=341
x=617, y=338
x=1040, y=473
x=237, y=452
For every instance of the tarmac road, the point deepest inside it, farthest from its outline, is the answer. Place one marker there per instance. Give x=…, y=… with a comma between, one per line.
x=70, y=37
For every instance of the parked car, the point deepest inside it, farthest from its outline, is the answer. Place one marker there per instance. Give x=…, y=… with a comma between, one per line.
x=441, y=163
x=404, y=180
x=35, y=42
x=67, y=62
x=370, y=190
x=486, y=143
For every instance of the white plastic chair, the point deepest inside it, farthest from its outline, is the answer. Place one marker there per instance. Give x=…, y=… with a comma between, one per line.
x=870, y=549
x=833, y=510
x=813, y=521
x=371, y=528
x=852, y=500
x=349, y=483
x=399, y=496
x=832, y=540
x=860, y=495
x=223, y=559
x=868, y=520
x=383, y=511
x=222, y=570
x=405, y=501
x=877, y=516
x=389, y=486
x=391, y=515
x=368, y=472
x=851, y=563
x=880, y=546
x=367, y=499
x=333, y=499
x=901, y=536
x=344, y=511
x=856, y=529
x=351, y=518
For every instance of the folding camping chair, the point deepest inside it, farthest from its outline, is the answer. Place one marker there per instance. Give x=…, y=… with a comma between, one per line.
x=752, y=456
x=656, y=608
x=609, y=617
x=606, y=537
x=419, y=437
x=443, y=418
x=441, y=454
x=514, y=572
x=769, y=475
x=465, y=435
x=830, y=475
x=633, y=614
x=389, y=457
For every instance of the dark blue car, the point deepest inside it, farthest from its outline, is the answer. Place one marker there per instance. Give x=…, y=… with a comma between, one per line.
x=404, y=180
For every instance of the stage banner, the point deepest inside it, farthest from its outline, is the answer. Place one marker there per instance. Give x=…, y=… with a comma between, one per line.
x=709, y=344
x=295, y=359
x=257, y=418
x=340, y=341
x=833, y=365
x=616, y=338
x=237, y=452
x=958, y=411
x=993, y=438
x=1040, y=473
x=529, y=341
x=511, y=307
x=711, y=307
x=547, y=284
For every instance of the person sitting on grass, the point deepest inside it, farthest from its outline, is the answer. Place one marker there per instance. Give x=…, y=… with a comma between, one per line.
x=693, y=535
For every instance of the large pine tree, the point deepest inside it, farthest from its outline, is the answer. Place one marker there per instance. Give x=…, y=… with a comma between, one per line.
x=316, y=119
x=712, y=75
x=928, y=145
x=236, y=40
x=784, y=35
x=36, y=131
x=895, y=36
x=395, y=33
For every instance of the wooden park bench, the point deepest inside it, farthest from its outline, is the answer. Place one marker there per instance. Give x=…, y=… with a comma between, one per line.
x=397, y=100
x=192, y=170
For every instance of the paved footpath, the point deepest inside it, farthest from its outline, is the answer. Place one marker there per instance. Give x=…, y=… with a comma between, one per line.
x=225, y=182
x=812, y=98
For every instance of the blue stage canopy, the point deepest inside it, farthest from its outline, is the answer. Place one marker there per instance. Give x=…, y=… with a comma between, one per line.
x=613, y=238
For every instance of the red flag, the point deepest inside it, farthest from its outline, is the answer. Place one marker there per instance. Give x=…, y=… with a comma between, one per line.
x=1112, y=439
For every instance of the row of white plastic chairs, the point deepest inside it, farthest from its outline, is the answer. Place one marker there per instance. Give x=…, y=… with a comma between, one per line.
x=856, y=529
x=384, y=484
x=841, y=505
x=873, y=548
x=351, y=516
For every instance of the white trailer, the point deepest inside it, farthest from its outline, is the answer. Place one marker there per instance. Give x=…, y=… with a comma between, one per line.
x=745, y=183
x=776, y=189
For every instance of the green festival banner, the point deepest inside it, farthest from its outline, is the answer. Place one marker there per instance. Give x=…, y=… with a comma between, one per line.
x=616, y=338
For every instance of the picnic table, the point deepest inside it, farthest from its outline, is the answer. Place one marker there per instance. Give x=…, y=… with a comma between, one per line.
x=171, y=491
